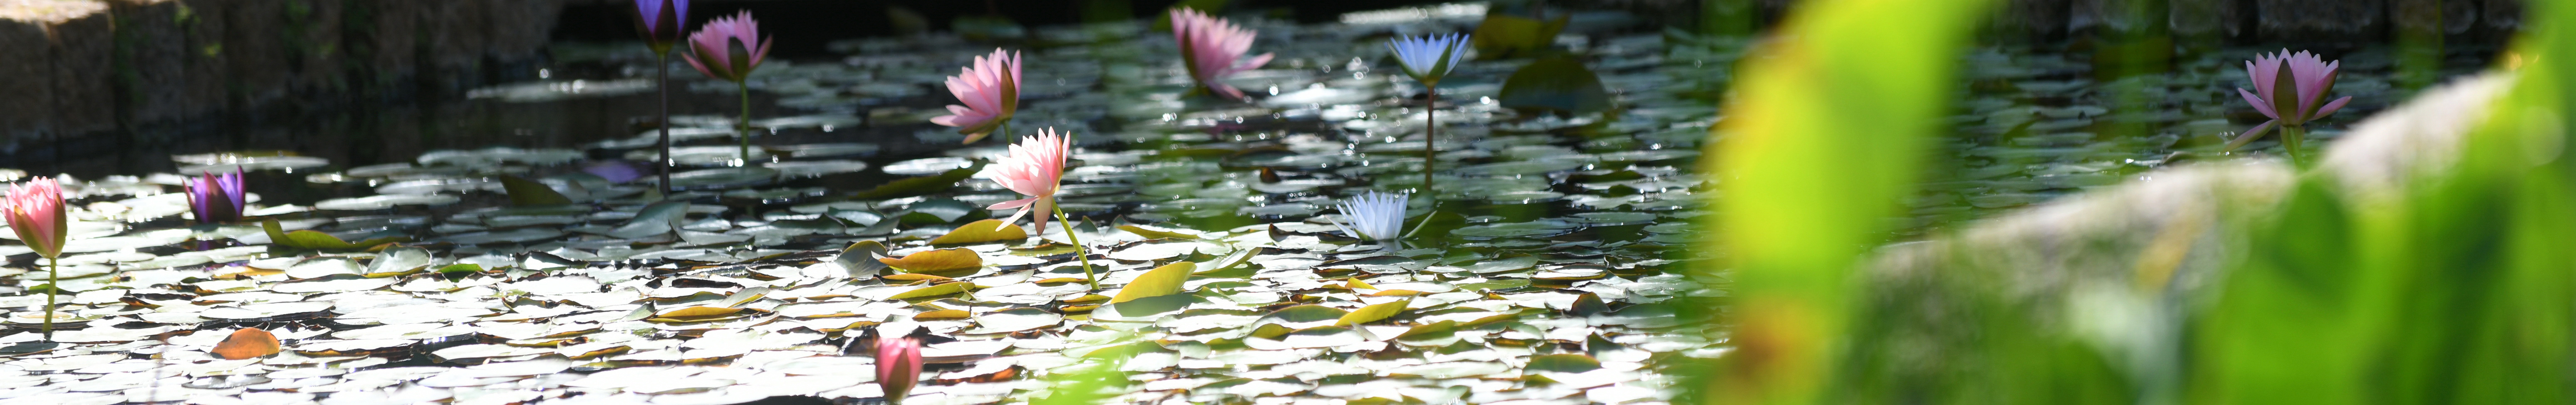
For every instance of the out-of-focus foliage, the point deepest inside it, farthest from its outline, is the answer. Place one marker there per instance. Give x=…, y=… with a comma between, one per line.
x=2459, y=289
x=1851, y=92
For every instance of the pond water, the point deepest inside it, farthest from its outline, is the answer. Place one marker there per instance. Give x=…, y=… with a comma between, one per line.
x=1551, y=271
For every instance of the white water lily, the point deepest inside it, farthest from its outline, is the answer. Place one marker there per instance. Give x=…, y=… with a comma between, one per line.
x=1374, y=215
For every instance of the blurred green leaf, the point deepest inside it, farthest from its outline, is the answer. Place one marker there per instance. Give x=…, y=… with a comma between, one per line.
x=1504, y=36
x=524, y=192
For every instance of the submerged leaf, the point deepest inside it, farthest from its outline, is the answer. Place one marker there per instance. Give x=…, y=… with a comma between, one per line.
x=914, y=186
x=1554, y=84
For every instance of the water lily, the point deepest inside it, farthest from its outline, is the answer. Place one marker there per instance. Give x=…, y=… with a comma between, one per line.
x=1374, y=216
x=1211, y=47
x=1035, y=168
x=35, y=211
x=2287, y=87
x=1430, y=57
x=898, y=366
x=662, y=22
x=991, y=90
x=729, y=48
x=217, y=198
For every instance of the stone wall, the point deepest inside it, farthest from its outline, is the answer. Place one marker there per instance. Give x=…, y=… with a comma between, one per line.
x=87, y=67
x=2296, y=21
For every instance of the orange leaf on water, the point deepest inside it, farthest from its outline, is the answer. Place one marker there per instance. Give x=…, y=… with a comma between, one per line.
x=247, y=343
x=936, y=260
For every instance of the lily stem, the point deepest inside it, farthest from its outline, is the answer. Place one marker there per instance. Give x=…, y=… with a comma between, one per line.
x=1079, y=250
x=665, y=124
x=1430, y=134
x=53, y=285
x=745, y=89
x=2291, y=138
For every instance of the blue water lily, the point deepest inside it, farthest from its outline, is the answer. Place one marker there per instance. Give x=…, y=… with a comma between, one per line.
x=1429, y=57
x=1374, y=215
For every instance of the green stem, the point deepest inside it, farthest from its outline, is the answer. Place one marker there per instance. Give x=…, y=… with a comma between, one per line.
x=745, y=89
x=1079, y=251
x=2292, y=138
x=665, y=125
x=53, y=281
x=1430, y=133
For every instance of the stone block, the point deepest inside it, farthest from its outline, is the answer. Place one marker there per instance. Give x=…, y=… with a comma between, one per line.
x=314, y=44
x=253, y=49
x=521, y=28
x=2039, y=20
x=58, y=80
x=456, y=32
x=383, y=36
x=2312, y=21
x=151, y=52
x=2201, y=18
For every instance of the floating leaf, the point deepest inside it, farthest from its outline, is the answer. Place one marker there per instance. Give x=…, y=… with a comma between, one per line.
x=1554, y=84
x=1373, y=313
x=1158, y=282
x=860, y=259
x=524, y=192
x=1150, y=234
x=936, y=260
x=914, y=186
x=697, y=312
x=247, y=343
x=312, y=239
x=941, y=290
x=982, y=231
x=941, y=315
x=1564, y=363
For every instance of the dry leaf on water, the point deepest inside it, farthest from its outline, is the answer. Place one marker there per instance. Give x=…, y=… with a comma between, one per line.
x=247, y=343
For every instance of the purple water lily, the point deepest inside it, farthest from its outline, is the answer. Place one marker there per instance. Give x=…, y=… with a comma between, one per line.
x=2287, y=88
x=662, y=22
x=217, y=198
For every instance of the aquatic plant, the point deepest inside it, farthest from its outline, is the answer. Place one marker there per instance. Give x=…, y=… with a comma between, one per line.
x=35, y=211
x=662, y=22
x=217, y=198
x=729, y=48
x=1035, y=168
x=898, y=366
x=1211, y=47
x=1427, y=59
x=2286, y=88
x=990, y=96
x=1374, y=216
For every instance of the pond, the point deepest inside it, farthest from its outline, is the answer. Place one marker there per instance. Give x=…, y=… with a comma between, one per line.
x=1549, y=264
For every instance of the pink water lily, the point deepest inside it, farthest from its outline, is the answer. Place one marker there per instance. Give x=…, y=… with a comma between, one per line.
x=1212, y=47
x=661, y=22
x=217, y=198
x=35, y=211
x=991, y=90
x=898, y=366
x=1035, y=168
x=728, y=48
x=2287, y=88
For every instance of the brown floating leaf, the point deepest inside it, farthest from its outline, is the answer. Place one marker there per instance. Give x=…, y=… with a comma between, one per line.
x=936, y=260
x=982, y=231
x=247, y=343
x=941, y=290
x=697, y=311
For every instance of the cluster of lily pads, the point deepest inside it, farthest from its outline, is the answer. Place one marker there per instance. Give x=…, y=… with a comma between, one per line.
x=1543, y=269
